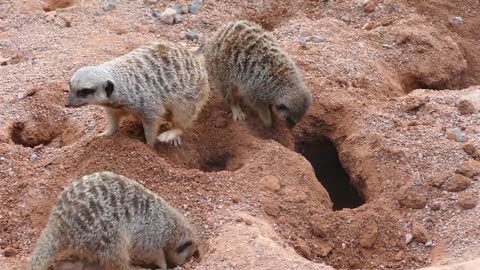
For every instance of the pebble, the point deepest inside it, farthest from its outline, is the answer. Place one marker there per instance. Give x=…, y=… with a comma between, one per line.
x=270, y=182
x=345, y=19
x=181, y=9
x=467, y=201
x=410, y=197
x=469, y=168
x=435, y=206
x=34, y=157
x=419, y=233
x=466, y=107
x=369, y=235
x=455, y=134
x=457, y=20
x=303, y=248
x=429, y=243
x=168, y=16
x=457, y=183
x=408, y=238
x=303, y=41
x=109, y=6
x=317, y=39
x=370, y=6
x=325, y=248
x=195, y=6
x=472, y=151
x=177, y=18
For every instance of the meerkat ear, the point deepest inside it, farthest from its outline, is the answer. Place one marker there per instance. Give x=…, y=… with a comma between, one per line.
x=109, y=89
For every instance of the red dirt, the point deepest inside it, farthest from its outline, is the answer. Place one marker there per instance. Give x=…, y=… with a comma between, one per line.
x=363, y=68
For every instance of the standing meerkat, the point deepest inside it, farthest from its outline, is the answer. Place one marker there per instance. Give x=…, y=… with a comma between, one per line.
x=245, y=62
x=107, y=219
x=151, y=82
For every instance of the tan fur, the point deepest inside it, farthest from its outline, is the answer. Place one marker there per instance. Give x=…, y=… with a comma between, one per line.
x=109, y=220
x=150, y=82
x=244, y=62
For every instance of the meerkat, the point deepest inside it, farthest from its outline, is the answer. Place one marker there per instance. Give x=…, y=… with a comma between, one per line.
x=244, y=62
x=109, y=220
x=153, y=82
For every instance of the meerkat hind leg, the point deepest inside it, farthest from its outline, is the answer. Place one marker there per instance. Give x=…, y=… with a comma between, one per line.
x=113, y=121
x=161, y=261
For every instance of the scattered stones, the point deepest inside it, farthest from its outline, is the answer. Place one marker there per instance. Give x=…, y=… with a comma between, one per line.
x=409, y=196
x=324, y=249
x=10, y=252
x=195, y=6
x=108, y=6
x=457, y=20
x=369, y=235
x=455, y=134
x=177, y=19
x=472, y=151
x=408, y=238
x=270, y=182
x=413, y=103
x=469, y=168
x=457, y=183
x=34, y=157
x=420, y=234
x=467, y=201
x=168, y=16
x=303, y=248
x=181, y=9
x=192, y=36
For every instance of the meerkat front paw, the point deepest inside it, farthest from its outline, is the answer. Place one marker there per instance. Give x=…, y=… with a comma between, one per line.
x=238, y=114
x=107, y=133
x=172, y=137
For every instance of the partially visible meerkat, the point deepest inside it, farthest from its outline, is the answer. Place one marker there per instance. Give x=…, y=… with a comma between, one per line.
x=153, y=82
x=245, y=62
x=109, y=220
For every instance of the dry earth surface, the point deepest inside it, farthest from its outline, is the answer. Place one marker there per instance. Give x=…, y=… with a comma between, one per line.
x=383, y=173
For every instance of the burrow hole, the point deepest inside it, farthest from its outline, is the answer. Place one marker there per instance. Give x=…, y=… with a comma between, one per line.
x=321, y=152
x=54, y=134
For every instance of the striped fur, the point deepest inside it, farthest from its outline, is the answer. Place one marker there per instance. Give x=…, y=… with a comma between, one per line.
x=108, y=219
x=150, y=82
x=245, y=62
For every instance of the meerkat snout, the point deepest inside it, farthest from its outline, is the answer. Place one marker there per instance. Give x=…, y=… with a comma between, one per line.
x=291, y=110
x=89, y=86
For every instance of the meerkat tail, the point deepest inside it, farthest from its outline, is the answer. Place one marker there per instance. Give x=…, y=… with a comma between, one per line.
x=44, y=253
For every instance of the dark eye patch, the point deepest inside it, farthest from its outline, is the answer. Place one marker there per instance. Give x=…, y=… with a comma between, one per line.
x=184, y=246
x=85, y=92
x=282, y=107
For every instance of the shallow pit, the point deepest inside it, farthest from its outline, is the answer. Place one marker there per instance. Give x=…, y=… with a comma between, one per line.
x=322, y=154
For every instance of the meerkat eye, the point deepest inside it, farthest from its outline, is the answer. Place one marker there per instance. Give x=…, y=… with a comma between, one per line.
x=85, y=92
x=282, y=107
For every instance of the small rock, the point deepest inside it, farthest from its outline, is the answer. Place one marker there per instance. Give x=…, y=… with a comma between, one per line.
x=181, y=9
x=370, y=6
x=420, y=234
x=408, y=238
x=98, y=13
x=345, y=19
x=248, y=222
x=457, y=183
x=271, y=210
x=270, y=182
x=457, y=20
x=109, y=6
x=303, y=248
x=472, y=151
x=369, y=235
x=469, y=168
x=438, y=180
x=429, y=243
x=435, y=206
x=317, y=226
x=324, y=249
x=303, y=41
x=34, y=157
x=10, y=252
x=466, y=107
x=467, y=201
x=168, y=16
x=195, y=6
x=399, y=256
x=368, y=26
x=409, y=196
x=192, y=36
x=413, y=103
x=317, y=39
x=177, y=19
x=455, y=134
x=235, y=198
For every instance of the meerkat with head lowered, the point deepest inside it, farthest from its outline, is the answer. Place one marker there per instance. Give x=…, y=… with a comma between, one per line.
x=151, y=82
x=107, y=219
x=245, y=62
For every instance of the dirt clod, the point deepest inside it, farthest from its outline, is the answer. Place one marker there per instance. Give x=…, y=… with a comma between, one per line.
x=469, y=168
x=420, y=234
x=369, y=235
x=472, y=151
x=457, y=183
x=467, y=201
x=412, y=197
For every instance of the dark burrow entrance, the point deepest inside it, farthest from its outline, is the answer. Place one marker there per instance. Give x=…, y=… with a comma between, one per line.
x=323, y=155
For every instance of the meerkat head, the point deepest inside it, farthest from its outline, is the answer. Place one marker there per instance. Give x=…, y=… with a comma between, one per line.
x=185, y=250
x=90, y=85
x=293, y=106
